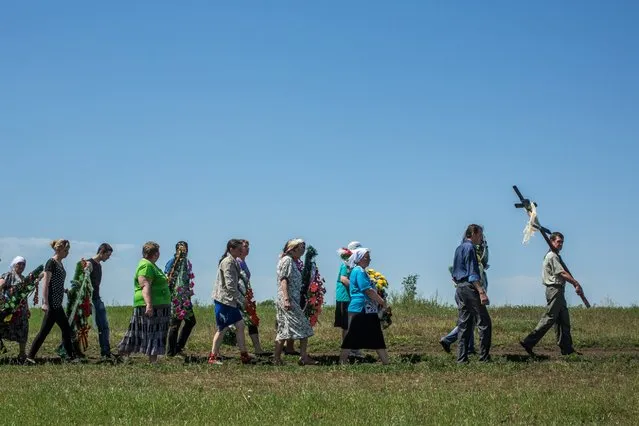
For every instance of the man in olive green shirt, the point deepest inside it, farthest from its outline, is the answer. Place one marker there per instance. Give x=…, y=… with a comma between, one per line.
x=554, y=277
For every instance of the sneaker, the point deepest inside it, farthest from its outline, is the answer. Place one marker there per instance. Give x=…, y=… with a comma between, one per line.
x=180, y=355
x=445, y=346
x=214, y=360
x=357, y=354
x=29, y=361
x=527, y=348
x=107, y=359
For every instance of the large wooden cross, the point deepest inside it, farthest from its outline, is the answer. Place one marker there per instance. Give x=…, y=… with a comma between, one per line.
x=525, y=203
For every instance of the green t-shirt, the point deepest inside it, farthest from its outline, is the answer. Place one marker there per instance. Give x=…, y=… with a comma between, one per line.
x=160, y=294
x=341, y=291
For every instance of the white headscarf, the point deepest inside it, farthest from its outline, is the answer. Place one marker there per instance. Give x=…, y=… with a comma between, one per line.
x=357, y=255
x=16, y=260
x=354, y=245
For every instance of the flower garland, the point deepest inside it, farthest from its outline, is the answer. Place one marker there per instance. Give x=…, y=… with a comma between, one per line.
x=316, y=291
x=181, y=285
x=312, y=287
x=249, y=307
x=381, y=285
x=16, y=303
x=79, y=307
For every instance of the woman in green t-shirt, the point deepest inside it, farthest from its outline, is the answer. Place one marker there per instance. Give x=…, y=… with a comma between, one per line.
x=151, y=308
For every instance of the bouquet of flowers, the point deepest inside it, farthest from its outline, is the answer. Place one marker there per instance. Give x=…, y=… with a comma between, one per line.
x=313, y=284
x=79, y=307
x=15, y=304
x=381, y=285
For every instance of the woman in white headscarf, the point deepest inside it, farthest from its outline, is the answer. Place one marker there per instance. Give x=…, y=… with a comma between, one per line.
x=16, y=329
x=290, y=318
x=342, y=291
x=364, y=328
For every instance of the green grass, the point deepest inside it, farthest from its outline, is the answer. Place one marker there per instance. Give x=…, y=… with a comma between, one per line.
x=423, y=385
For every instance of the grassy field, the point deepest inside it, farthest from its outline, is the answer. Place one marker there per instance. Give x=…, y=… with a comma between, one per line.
x=423, y=385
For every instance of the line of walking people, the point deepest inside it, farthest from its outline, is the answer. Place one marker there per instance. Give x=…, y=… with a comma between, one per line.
x=163, y=317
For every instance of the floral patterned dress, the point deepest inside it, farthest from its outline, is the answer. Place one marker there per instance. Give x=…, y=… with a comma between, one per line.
x=17, y=328
x=292, y=323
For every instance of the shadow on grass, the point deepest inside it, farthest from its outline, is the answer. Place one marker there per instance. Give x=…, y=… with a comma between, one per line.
x=322, y=360
x=39, y=361
x=525, y=358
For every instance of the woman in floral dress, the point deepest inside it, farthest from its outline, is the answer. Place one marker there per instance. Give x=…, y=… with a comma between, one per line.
x=291, y=321
x=17, y=328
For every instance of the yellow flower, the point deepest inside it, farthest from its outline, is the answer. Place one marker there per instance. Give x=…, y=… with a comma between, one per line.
x=378, y=275
x=371, y=271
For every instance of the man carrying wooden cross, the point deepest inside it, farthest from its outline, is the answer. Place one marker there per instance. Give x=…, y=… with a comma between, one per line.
x=554, y=276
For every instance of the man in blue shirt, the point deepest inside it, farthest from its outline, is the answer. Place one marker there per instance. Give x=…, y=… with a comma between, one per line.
x=471, y=296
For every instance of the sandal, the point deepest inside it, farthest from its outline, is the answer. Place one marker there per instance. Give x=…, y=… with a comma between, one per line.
x=311, y=361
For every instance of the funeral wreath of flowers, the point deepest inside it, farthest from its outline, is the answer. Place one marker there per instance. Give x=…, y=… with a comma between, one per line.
x=313, y=287
x=14, y=305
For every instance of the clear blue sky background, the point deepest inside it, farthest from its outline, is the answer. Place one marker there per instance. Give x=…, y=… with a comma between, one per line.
x=392, y=123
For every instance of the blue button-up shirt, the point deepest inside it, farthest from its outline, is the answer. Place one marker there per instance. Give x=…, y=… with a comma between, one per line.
x=465, y=265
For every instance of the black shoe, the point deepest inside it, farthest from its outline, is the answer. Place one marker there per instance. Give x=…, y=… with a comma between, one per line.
x=445, y=346
x=571, y=352
x=292, y=353
x=528, y=349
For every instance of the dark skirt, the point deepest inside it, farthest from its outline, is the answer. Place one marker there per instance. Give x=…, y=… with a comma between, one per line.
x=147, y=335
x=16, y=329
x=341, y=315
x=364, y=332
x=226, y=315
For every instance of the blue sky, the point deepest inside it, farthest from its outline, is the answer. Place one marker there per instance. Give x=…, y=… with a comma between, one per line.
x=395, y=124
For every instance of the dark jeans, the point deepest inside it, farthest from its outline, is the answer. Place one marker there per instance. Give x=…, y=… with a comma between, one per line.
x=252, y=329
x=102, y=323
x=557, y=315
x=51, y=317
x=471, y=312
x=175, y=344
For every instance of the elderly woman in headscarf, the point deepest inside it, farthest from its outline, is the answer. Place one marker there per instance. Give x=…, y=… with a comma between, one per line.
x=17, y=329
x=342, y=294
x=291, y=321
x=364, y=327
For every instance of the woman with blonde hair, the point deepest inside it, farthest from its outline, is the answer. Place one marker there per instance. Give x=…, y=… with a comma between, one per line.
x=151, y=308
x=52, y=295
x=291, y=321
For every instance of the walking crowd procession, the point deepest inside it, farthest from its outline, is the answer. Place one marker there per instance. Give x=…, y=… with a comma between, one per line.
x=163, y=318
